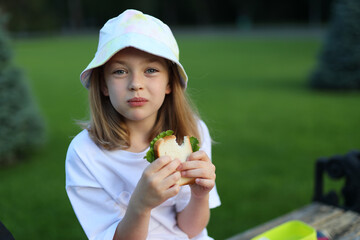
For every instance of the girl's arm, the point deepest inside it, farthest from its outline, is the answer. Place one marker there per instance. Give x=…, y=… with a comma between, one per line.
x=134, y=225
x=156, y=185
x=194, y=218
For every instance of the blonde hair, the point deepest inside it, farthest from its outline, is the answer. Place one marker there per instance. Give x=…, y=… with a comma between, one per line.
x=107, y=127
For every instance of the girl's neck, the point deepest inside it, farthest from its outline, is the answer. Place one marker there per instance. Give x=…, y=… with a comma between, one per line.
x=139, y=135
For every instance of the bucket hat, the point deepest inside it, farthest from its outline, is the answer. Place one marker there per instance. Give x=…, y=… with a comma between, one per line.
x=132, y=28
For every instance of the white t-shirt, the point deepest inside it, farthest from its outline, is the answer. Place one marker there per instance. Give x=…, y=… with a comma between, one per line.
x=99, y=184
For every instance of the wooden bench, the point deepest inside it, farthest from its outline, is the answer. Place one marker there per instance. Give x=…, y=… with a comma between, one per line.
x=336, y=223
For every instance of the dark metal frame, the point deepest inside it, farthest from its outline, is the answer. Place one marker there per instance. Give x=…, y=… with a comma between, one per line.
x=337, y=167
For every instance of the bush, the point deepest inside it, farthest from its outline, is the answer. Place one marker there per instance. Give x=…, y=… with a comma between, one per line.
x=21, y=126
x=339, y=62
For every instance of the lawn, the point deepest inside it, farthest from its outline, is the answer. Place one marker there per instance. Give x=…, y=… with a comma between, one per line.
x=268, y=128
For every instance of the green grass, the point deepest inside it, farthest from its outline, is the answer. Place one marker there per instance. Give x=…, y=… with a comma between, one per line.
x=269, y=128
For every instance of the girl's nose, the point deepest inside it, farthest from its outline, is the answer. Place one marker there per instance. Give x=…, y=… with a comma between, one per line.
x=135, y=82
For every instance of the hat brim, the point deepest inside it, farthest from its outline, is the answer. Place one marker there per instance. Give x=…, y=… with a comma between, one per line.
x=136, y=40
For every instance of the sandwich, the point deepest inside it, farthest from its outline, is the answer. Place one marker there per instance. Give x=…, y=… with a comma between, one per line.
x=165, y=145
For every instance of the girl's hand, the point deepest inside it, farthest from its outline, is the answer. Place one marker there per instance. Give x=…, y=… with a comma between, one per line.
x=201, y=168
x=157, y=184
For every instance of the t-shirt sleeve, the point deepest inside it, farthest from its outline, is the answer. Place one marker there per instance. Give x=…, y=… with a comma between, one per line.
x=183, y=197
x=96, y=211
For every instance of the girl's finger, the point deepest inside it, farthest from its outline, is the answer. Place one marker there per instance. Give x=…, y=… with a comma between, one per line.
x=170, y=180
x=171, y=191
x=206, y=183
x=168, y=169
x=159, y=163
x=188, y=165
x=199, y=173
x=199, y=155
x=151, y=172
x=193, y=164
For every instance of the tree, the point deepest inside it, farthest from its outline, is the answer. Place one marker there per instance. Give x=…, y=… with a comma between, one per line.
x=21, y=125
x=339, y=62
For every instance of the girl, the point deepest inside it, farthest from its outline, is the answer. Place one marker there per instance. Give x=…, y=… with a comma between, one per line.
x=136, y=90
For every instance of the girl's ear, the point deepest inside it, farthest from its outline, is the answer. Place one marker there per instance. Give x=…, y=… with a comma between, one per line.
x=168, y=89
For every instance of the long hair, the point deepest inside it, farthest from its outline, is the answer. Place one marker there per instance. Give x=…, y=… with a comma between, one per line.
x=107, y=127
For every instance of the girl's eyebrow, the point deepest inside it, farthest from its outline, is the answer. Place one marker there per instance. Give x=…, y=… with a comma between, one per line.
x=151, y=60
x=117, y=61
x=160, y=61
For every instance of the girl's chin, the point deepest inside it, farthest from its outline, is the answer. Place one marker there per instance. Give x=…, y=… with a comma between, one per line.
x=139, y=115
x=140, y=118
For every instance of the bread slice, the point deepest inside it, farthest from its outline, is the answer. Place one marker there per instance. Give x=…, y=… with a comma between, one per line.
x=168, y=146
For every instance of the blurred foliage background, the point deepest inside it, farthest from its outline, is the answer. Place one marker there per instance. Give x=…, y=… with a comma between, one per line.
x=64, y=15
x=22, y=128
x=253, y=67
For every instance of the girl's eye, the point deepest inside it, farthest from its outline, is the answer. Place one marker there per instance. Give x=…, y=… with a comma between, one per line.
x=119, y=72
x=151, y=70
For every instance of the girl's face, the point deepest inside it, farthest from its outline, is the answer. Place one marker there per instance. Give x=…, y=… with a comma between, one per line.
x=136, y=83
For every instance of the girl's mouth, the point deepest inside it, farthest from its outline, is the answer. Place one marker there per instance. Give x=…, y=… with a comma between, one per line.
x=137, y=101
